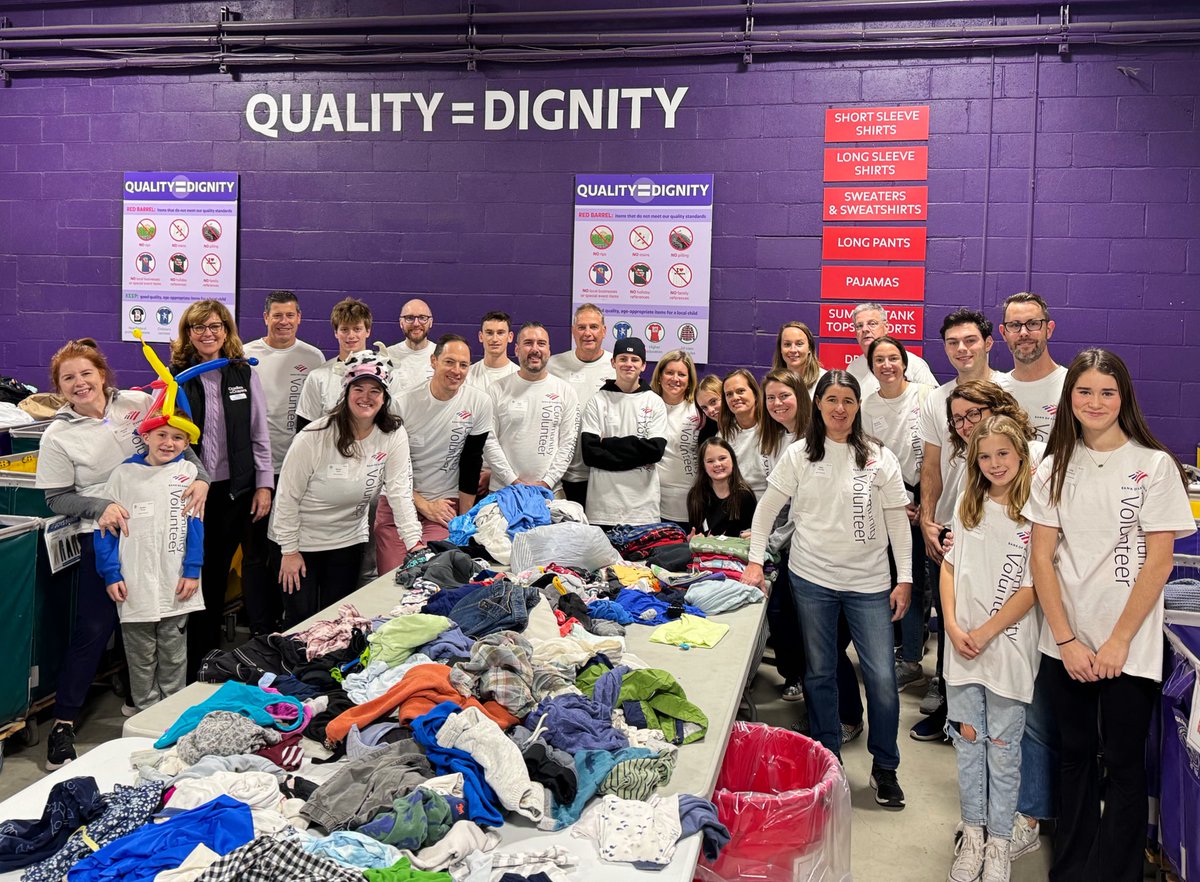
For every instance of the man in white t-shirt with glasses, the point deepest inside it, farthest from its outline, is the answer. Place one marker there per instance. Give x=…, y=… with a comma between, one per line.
x=1035, y=380
x=412, y=355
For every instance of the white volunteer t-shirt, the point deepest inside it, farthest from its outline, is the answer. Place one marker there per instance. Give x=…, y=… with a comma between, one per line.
x=1039, y=399
x=678, y=468
x=895, y=422
x=437, y=431
x=323, y=499
x=483, y=377
x=80, y=452
x=1103, y=516
x=753, y=465
x=321, y=392
x=630, y=496
x=840, y=540
x=410, y=367
x=283, y=373
x=535, y=430
x=586, y=378
x=990, y=564
x=918, y=371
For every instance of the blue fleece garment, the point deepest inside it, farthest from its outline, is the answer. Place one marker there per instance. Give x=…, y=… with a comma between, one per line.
x=591, y=768
x=445, y=600
x=575, y=723
x=249, y=701
x=483, y=805
x=451, y=643
x=606, y=609
x=222, y=824
x=649, y=609
x=524, y=507
x=462, y=527
x=698, y=814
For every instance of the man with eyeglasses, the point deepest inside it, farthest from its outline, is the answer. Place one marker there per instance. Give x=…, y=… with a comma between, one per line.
x=1035, y=380
x=870, y=322
x=412, y=355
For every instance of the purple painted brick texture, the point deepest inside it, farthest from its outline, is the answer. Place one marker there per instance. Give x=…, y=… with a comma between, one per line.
x=476, y=219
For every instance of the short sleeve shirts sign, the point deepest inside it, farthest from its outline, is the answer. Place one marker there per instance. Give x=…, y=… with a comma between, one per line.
x=1039, y=399
x=80, y=452
x=437, y=431
x=840, y=540
x=1103, y=515
x=282, y=373
x=991, y=563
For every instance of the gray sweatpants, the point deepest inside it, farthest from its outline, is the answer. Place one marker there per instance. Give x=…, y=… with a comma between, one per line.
x=157, y=657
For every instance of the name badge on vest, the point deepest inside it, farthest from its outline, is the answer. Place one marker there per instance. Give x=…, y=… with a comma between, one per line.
x=237, y=393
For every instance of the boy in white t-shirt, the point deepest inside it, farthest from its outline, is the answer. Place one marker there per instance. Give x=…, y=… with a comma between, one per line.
x=495, y=333
x=152, y=572
x=351, y=321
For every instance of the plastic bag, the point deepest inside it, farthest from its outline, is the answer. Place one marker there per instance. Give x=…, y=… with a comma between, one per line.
x=566, y=544
x=786, y=803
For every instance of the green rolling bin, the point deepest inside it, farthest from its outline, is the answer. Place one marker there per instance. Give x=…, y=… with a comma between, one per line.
x=28, y=438
x=19, y=540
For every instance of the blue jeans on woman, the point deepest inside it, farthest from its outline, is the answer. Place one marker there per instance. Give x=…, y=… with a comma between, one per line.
x=870, y=619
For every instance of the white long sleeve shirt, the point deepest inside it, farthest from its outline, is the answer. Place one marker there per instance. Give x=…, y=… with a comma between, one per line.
x=283, y=374
x=536, y=428
x=585, y=378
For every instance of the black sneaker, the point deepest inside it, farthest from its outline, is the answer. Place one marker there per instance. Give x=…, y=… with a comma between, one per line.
x=931, y=728
x=60, y=746
x=887, y=789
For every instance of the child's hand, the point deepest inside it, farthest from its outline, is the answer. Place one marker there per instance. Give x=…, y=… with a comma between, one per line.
x=186, y=587
x=963, y=643
x=117, y=592
x=980, y=638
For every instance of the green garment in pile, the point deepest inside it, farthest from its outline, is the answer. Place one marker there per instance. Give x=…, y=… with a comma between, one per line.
x=655, y=695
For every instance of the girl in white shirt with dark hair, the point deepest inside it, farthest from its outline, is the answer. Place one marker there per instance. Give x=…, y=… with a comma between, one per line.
x=1107, y=504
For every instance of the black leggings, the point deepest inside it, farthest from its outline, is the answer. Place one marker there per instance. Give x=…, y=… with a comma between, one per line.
x=226, y=522
x=329, y=576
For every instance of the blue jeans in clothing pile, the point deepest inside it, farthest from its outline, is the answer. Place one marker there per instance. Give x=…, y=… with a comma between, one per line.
x=501, y=606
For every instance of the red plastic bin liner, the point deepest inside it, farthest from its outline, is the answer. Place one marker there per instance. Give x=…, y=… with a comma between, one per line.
x=778, y=792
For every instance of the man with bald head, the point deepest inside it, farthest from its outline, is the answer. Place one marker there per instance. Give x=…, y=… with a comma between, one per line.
x=412, y=355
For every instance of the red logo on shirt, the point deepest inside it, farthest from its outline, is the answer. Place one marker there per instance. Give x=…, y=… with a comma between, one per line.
x=379, y=457
x=464, y=414
x=1023, y=535
x=871, y=462
x=552, y=396
x=133, y=415
x=1051, y=409
x=1138, y=476
x=301, y=368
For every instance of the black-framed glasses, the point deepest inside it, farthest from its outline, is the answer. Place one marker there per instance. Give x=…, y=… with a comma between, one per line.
x=972, y=416
x=417, y=319
x=1029, y=325
x=211, y=327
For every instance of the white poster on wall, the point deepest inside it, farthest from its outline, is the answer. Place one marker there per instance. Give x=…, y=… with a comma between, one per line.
x=178, y=244
x=643, y=254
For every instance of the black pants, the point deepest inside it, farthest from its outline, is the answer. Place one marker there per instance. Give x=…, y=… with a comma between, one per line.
x=260, y=578
x=1093, y=845
x=225, y=523
x=576, y=491
x=329, y=576
x=95, y=621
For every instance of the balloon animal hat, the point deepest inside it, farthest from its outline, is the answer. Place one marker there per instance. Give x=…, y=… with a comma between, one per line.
x=170, y=407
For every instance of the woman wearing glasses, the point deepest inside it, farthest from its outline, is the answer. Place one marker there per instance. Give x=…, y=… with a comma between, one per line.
x=235, y=446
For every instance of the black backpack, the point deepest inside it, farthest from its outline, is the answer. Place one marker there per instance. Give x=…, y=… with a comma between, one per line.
x=13, y=391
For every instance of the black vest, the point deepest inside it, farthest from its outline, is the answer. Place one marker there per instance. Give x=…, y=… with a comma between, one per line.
x=235, y=381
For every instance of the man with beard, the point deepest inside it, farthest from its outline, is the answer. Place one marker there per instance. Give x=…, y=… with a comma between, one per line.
x=411, y=356
x=536, y=418
x=1035, y=380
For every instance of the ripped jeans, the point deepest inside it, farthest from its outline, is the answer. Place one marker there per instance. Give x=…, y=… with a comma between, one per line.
x=989, y=765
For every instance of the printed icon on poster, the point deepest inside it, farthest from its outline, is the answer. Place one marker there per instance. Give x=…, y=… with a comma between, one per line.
x=641, y=237
x=687, y=333
x=211, y=264
x=600, y=273
x=164, y=316
x=146, y=229
x=679, y=275
x=640, y=274
x=179, y=229
x=137, y=315
x=211, y=231
x=178, y=263
x=681, y=238
x=602, y=237
x=655, y=332
x=144, y=263
x=621, y=330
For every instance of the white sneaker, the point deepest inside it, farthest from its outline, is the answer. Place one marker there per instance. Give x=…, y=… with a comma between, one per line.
x=997, y=865
x=1025, y=839
x=968, y=856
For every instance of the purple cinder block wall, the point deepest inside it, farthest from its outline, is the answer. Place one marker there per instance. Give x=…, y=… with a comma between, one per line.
x=475, y=220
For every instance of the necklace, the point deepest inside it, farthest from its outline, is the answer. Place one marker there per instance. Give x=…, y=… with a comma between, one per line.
x=1098, y=465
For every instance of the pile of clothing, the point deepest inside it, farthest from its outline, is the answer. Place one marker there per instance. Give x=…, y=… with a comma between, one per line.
x=664, y=544
x=494, y=520
x=392, y=748
x=726, y=556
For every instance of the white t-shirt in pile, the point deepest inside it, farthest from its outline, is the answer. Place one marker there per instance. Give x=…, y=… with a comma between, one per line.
x=535, y=430
x=585, y=378
x=323, y=498
x=918, y=371
x=840, y=539
x=1039, y=399
x=991, y=563
x=631, y=496
x=678, y=468
x=80, y=452
x=1103, y=516
x=482, y=377
x=437, y=431
x=283, y=373
x=895, y=422
x=321, y=393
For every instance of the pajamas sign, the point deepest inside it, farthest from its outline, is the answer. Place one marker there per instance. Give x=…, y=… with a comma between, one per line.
x=643, y=254
x=178, y=244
